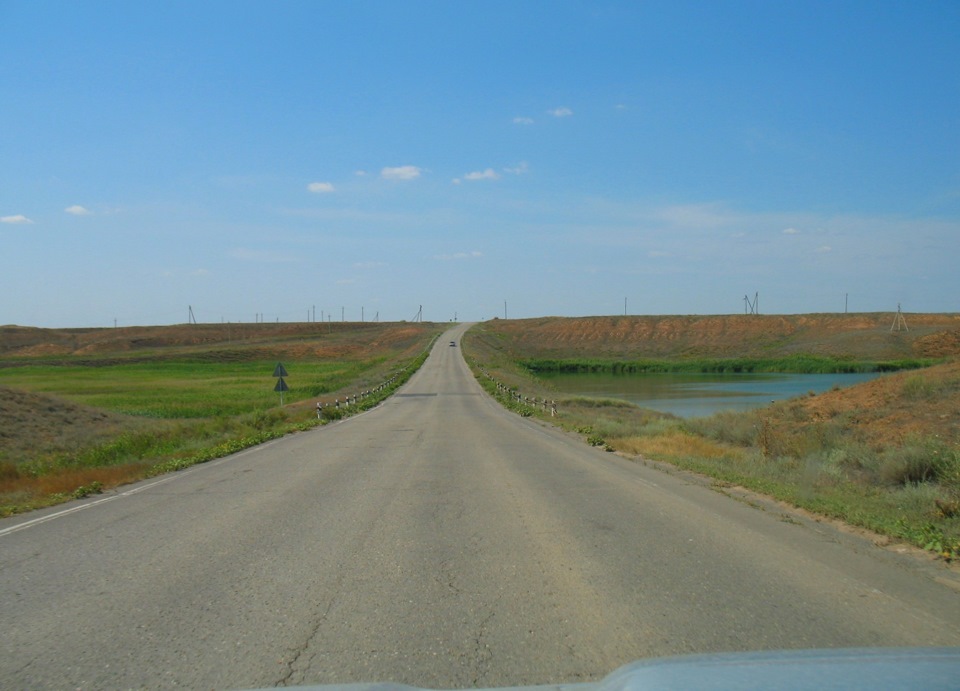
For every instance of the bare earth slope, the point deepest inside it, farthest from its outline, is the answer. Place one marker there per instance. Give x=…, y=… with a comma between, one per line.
x=894, y=409
x=861, y=336
x=298, y=339
x=35, y=424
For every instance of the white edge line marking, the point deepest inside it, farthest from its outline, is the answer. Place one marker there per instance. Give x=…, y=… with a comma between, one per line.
x=136, y=490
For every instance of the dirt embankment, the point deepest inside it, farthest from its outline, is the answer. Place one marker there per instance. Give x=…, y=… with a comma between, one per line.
x=37, y=424
x=892, y=410
x=869, y=336
x=215, y=341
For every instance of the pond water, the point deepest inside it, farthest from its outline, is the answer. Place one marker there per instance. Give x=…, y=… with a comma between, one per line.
x=699, y=395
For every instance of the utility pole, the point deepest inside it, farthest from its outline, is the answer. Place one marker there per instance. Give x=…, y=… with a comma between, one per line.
x=504, y=309
x=899, y=323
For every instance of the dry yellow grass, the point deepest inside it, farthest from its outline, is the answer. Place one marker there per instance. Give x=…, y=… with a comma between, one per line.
x=674, y=444
x=67, y=481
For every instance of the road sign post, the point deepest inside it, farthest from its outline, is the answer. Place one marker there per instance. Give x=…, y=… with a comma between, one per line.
x=280, y=372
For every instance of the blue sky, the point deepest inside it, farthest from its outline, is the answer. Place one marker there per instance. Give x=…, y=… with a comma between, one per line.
x=299, y=160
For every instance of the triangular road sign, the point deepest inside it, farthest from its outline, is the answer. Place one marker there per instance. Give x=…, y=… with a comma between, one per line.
x=279, y=370
x=281, y=385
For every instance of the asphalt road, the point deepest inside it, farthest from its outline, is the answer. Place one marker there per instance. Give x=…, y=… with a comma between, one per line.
x=439, y=541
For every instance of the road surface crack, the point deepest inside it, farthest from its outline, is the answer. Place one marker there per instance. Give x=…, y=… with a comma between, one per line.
x=482, y=654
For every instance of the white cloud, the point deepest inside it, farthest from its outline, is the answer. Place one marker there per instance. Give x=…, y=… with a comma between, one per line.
x=19, y=218
x=401, y=173
x=561, y=112
x=320, y=187
x=491, y=174
x=369, y=265
x=488, y=174
x=791, y=231
x=77, y=210
x=522, y=121
x=824, y=249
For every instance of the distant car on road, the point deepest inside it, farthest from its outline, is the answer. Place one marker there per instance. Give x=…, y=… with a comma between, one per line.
x=453, y=344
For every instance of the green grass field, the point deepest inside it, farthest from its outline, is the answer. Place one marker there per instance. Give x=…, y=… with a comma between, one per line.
x=123, y=407
x=185, y=389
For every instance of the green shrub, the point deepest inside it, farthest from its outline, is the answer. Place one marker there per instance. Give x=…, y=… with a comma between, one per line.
x=917, y=462
x=729, y=427
x=268, y=418
x=86, y=490
x=661, y=425
x=330, y=413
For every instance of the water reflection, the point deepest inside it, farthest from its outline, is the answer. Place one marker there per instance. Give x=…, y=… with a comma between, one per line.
x=698, y=395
